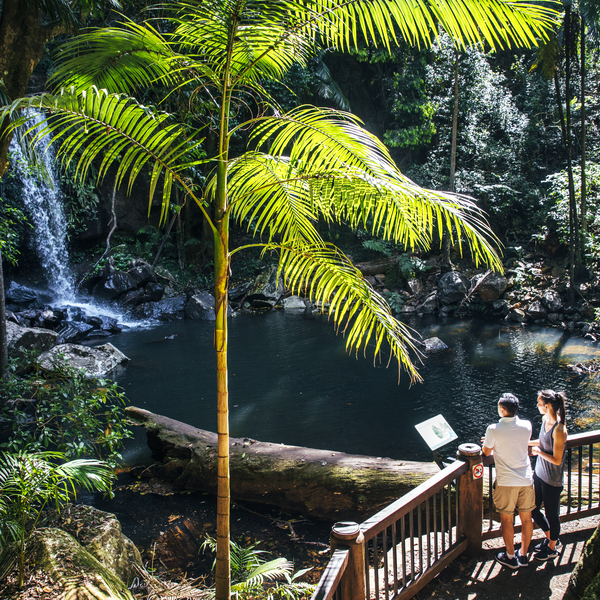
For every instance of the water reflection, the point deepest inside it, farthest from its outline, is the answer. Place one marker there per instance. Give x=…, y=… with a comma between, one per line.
x=291, y=381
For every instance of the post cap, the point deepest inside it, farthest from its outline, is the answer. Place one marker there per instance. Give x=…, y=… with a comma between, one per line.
x=345, y=530
x=469, y=449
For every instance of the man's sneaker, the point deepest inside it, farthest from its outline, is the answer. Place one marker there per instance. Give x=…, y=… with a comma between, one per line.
x=546, y=553
x=522, y=559
x=544, y=544
x=511, y=563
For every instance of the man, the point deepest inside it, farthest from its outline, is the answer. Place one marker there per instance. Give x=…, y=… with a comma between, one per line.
x=513, y=489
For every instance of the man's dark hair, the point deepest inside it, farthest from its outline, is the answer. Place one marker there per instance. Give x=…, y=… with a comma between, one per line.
x=510, y=403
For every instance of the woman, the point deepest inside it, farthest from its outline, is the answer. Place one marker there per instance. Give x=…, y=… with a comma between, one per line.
x=548, y=477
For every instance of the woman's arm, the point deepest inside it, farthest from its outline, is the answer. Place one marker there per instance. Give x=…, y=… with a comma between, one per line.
x=558, y=447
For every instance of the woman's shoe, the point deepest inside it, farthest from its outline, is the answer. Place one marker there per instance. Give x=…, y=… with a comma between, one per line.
x=545, y=542
x=546, y=553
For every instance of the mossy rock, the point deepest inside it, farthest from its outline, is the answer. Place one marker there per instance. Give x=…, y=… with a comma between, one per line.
x=81, y=575
x=584, y=583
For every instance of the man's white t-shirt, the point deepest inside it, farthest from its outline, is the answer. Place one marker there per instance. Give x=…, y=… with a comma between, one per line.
x=509, y=438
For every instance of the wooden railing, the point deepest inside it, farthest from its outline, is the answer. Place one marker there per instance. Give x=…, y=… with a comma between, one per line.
x=393, y=554
x=580, y=496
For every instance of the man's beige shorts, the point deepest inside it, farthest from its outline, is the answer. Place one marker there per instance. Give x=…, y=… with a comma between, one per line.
x=509, y=497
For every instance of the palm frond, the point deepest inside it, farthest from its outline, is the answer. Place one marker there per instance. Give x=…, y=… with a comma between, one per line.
x=321, y=162
x=327, y=277
x=93, y=124
x=499, y=23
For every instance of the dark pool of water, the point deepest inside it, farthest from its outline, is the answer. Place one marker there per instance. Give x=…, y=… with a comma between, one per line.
x=291, y=381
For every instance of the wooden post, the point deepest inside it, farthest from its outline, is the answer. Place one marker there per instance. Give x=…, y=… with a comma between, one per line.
x=348, y=534
x=470, y=494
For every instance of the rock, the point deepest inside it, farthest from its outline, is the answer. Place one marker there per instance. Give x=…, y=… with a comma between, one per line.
x=518, y=315
x=73, y=331
x=434, y=344
x=492, y=287
x=429, y=305
x=552, y=301
x=21, y=339
x=500, y=308
x=115, y=285
x=588, y=312
x=107, y=324
x=259, y=301
x=414, y=286
x=584, y=582
x=141, y=273
x=154, y=292
x=83, y=576
x=558, y=272
x=406, y=309
x=452, y=287
x=268, y=284
x=536, y=310
x=294, y=303
x=102, y=537
x=168, y=309
x=240, y=290
x=132, y=298
x=95, y=362
x=554, y=318
x=200, y=307
x=19, y=294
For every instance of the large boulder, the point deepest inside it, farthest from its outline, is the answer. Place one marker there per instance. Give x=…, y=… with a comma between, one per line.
x=501, y=308
x=584, y=583
x=100, y=534
x=95, y=362
x=429, y=305
x=21, y=339
x=536, y=310
x=518, y=315
x=200, y=307
x=83, y=577
x=491, y=287
x=168, y=309
x=434, y=344
x=268, y=284
x=73, y=331
x=19, y=294
x=294, y=303
x=552, y=301
x=452, y=287
x=141, y=273
x=115, y=285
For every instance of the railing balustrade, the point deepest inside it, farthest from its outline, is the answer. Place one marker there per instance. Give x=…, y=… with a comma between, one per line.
x=397, y=551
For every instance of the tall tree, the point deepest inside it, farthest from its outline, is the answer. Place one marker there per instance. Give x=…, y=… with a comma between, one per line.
x=26, y=26
x=300, y=166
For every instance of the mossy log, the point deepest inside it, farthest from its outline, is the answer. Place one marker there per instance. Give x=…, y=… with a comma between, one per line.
x=324, y=484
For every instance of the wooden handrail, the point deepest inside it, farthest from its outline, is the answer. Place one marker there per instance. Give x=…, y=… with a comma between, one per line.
x=388, y=515
x=332, y=575
x=574, y=440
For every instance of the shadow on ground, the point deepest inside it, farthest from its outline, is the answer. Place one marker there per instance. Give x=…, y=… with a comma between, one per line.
x=482, y=578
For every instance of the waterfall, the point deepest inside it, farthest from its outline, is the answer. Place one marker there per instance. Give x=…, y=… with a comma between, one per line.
x=43, y=202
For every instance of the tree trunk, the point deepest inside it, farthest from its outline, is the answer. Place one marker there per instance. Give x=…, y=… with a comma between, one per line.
x=22, y=41
x=573, y=220
x=583, y=134
x=377, y=267
x=322, y=483
x=3, y=338
x=446, y=240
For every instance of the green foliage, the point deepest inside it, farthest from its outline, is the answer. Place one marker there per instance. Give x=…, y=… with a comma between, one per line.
x=63, y=411
x=556, y=203
x=394, y=299
x=29, y=482
x=253, y=577
x=12, y=222
x=80, y=200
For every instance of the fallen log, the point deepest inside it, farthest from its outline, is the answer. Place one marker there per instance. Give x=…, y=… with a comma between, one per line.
x=321, y=483
x=377, y=267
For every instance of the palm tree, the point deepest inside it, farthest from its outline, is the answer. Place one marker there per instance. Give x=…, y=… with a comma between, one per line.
x=307, y=164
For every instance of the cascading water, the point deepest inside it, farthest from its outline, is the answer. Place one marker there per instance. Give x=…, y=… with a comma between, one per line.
x=43, y=202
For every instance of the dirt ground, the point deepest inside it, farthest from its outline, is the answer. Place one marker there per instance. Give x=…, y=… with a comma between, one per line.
x=482, y=578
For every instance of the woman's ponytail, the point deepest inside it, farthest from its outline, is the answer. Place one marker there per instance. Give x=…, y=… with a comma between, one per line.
x=557, y=401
